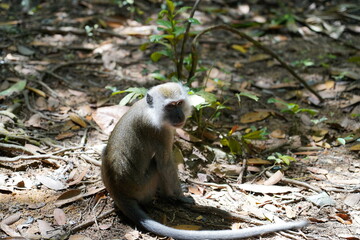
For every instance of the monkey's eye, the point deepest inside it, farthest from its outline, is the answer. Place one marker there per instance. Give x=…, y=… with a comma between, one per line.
x=179, y=103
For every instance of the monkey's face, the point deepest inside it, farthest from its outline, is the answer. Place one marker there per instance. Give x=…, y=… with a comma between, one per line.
x=174, y=113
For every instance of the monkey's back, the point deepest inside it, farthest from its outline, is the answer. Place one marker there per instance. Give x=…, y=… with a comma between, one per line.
x=127, y=161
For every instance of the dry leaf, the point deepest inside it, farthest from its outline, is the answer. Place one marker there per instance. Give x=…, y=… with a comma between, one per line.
x=107, y=117
x=44, y=228
x=278, y=133
x=317, y=170
x=254, y=117
x=266, y=189
x=69, y=194
x=77, y=119
x=50, y=183
x=259, y=57
x=37, y=91
x=79, y=237
x=275, y=178
x=59, y=216
x=62, y=136
x=355, y=147
x=258, y=161
x=187, y=227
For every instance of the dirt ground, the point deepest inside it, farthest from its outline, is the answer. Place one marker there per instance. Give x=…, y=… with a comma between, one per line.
x=73, y=54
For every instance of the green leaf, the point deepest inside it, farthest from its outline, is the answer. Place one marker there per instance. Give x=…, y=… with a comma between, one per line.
x=179, y=30
x=341, y=141
x=158, y=76
x=155, y=56
x=171, y=6
x=156, y=38
x=181, y=10
x=163, y=13
x=249, y=95
x=193, y=21
x=16, y=88
x=127, y=99
x=144, y=46
x=164, y=23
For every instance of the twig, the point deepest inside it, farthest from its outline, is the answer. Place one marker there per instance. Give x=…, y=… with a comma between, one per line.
x=195, y=56
x=186, y=36
x=242, y=170
x=91, y=222
x=26, y=97
x=76, y=31
x=296, y=182
x=18, y=148
x=32, y=157
x=228, y=188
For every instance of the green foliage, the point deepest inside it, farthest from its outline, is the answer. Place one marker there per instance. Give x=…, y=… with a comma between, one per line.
x=133, y=93
x=317, y=121
x=90, y=30
x=280, y=159
x=174, y=29
x=248, y=95
x=239, y=144
x=304, y=63
x=292, y=107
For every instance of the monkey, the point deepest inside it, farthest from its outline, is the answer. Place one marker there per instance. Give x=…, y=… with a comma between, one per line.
x=137, y=164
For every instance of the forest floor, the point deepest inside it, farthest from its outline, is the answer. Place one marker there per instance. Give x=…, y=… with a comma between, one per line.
x=61, y=61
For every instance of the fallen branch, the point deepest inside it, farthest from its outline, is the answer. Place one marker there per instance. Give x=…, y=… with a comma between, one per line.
x=195, y=56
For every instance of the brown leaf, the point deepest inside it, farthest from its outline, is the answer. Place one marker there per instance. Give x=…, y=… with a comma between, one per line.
x=275, y=178
x=77, y=119
x=44, y=228
x=64, y=135
x=59, y=216
x=266, y=189
x=187, y=227
x=355, y=147
x=107, y=117
x=69, y=194
x=254, y=117
x=278, y=133
x=50, y=183
x=79, y=237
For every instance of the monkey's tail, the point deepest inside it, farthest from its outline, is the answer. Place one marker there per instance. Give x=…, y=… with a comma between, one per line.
x=135, y=213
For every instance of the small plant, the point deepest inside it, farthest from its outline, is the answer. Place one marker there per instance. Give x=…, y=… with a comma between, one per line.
x=133, y=93
x=240, y=144
x=90, y=30
x=280, y=159
x=173, y=39
x=292, y=107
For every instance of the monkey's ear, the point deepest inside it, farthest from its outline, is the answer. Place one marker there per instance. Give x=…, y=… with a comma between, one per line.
x=150, y=100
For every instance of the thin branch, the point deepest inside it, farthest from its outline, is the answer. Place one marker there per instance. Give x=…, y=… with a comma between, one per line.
x=195, y=56
x=186, y=36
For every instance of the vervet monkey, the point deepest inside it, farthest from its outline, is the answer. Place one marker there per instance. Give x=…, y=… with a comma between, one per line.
x=137, y=163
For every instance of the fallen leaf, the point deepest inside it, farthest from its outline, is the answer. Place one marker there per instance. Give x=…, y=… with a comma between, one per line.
x=50, y=183
x=355, y=147
x=59, y=216
x=266, y=189
x=317, y=170
x=254, y=117
x=44, y=228
x=107, y=117
x=69, y=194
x=79, y=237
x=77, y=119
x=64, y=135
x=275, y=178
x=321, y=199
x=187, y=227
x=278, y=133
